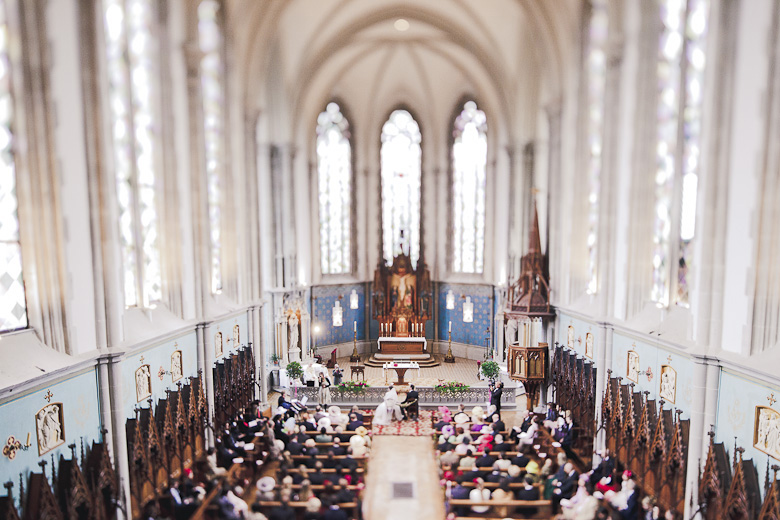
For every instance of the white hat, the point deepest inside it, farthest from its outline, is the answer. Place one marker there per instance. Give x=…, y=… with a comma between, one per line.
x=266, y=484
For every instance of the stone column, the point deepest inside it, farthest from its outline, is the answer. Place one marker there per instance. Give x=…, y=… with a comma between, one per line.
x=119, y=436
x=696, y=435
x=206, y=363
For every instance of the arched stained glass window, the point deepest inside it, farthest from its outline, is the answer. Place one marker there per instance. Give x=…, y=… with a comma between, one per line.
x=469, y=162
x=212, y=72
x=13, y=304
x=596, y=72
x=401, y=157
x=334, y=169
x=680, y=75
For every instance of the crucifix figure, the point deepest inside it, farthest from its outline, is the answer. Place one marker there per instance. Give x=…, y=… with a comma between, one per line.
x=771, y=399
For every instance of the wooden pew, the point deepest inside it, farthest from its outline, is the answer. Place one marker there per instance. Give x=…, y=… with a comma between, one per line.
x=300, y=507
x=544, y=507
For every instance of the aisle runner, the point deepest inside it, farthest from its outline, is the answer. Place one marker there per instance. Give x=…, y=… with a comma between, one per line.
x=420, y=428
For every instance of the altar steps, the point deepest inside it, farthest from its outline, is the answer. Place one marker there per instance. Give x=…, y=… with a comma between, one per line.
x=430, y=362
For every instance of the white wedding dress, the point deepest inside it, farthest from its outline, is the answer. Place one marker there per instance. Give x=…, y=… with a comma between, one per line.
x=387, y=409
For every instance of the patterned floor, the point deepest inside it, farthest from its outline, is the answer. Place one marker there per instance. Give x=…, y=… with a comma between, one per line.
x=463, y=370
x=422, y=427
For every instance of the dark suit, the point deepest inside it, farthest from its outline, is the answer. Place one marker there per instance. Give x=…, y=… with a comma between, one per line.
x=526, y=424
x=335, y=514
x=354, y=425
x=460, y=492
x=520, y=460
x=485, y=461
x=568, y=485
x=413, y=410
x=495, y=399
x=528, y=494
x=631, y=511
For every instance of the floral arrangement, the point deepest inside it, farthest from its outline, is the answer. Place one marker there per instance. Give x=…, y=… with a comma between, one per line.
x=294, y=370
x=451, y=387
x=491, y=370
x=353, y=387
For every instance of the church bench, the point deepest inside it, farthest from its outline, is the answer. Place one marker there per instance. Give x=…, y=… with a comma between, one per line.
x=300, y=507
x=324, y=457
x=544, y=507
x=512, y=485
x=325, y=470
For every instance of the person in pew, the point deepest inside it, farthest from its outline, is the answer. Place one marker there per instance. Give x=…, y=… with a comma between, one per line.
x=302, y=475
x=485, y=459
x=334, y=512
x=500, y=445
x=357, y=446
x=528, y=492
x=345, y=494
x=310, y=448
x=460, y=492
x=337, y=449
x=445, y=444
x=282, y=512
x=460, y=416
x=338, y=434
x=255, y=513
x=319, y=413
x=363, y=433
x=502, y=494
x=294, y=447
x=354, y=423
x=498, y=425
x=521, y=459
x=551, y=414
x=527, y=437
x=412, y=402
x=313, y=506
x=265, y=489
x=317, y=477
x=323, y=436
x=568, y=486
x=467, y=462
x=357, y=413
x=305, y=493
x=465, y=447
x=515, y=474
x=496, y=475
x=330, y=462
x=503, y=462
x=348, y=464
x=605, y=468
x=479, y=494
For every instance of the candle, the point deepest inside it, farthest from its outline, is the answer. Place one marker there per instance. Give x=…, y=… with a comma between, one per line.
x=450, y=329
x=354, y=326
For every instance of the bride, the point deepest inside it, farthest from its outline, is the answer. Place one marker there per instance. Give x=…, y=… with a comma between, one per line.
x=388, y=409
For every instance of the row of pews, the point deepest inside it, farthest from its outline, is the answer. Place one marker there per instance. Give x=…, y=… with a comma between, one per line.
x=85, y=489
x=574, y=380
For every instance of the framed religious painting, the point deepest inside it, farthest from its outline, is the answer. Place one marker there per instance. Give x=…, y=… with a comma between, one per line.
x=766, y=431
x=50, y=427
x=668, y=385
x=236, y=336
x=570, y=337
x=218, y=346
x=632, y=366
x=176, y=364
x=143, y=383
x=589, y=345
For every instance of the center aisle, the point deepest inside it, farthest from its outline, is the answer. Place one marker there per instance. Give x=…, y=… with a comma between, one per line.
x=399, y=465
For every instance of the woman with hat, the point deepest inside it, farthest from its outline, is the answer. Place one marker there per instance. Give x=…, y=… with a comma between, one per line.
x=313, y=506
x=265, y=489
x=479, y=494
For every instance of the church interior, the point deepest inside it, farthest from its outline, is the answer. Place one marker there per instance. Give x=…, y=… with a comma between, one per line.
x=340, y=259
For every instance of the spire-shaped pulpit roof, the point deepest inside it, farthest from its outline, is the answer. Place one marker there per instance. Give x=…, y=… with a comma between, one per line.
x=530, y=294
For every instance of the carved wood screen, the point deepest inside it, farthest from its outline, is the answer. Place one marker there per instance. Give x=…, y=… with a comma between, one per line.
x=234, y=385
x=164, y=440
x=647, y=439
x=85, y=490
x=575, y=389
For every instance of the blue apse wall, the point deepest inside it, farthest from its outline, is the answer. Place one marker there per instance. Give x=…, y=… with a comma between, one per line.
x=467, y=333
x=738, y=397
x=158, y=358
x=78, y=394
x=581, y=329
x=322, y=313
x=651, y=357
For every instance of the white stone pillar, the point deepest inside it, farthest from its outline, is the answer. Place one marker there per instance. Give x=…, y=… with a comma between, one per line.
x=119, y=433
x=206, y=348
x=696, y=434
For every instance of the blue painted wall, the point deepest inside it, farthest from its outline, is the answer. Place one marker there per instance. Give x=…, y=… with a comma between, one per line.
x=466, y=333
x=737, y=401
x=157, y=357
x=581, y=329
x=322, y=313
x=652, y=357
x=78, y=394
x=226, y=328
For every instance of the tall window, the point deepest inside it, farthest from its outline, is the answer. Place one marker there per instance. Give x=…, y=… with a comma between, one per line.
x=212, y=71
x=680, y=73
x=334, y=168
x=13, y=305
x=131, y=49
x=401, y=158
x=469, y=160
x=596, y=72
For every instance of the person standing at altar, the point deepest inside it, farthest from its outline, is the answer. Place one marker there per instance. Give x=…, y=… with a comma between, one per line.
x=495, y=398
x=324, y=390
x=337, y=375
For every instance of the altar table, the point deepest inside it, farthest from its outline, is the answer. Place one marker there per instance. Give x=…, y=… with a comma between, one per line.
x=400, y=370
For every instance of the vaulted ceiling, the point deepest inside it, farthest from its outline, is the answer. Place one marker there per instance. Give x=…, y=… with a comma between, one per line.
x=296, y=55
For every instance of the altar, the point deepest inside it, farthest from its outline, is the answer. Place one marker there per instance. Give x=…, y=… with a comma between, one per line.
x=402, y=346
